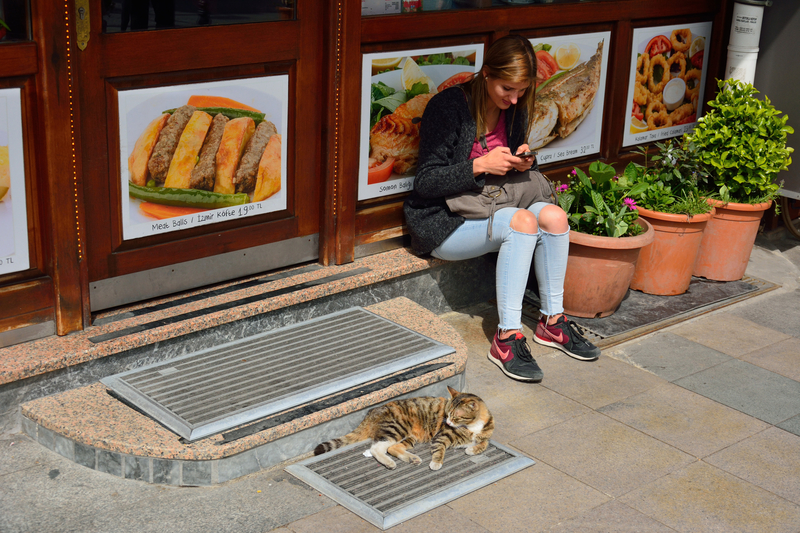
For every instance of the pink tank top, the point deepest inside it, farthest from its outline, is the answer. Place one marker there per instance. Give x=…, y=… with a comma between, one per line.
x=496, y=137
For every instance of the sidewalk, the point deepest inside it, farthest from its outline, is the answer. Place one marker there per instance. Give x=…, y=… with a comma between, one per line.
x=693, y=428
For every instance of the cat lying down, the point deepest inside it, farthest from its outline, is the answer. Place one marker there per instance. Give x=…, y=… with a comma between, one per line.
x=461, y=421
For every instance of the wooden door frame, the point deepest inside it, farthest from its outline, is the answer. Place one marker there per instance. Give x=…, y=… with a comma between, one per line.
x=288, y=47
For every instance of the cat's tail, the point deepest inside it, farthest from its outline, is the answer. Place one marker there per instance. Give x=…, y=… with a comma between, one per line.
x=357, y=435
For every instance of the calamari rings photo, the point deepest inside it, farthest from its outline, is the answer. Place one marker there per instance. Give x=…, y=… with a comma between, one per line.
x=667, y=75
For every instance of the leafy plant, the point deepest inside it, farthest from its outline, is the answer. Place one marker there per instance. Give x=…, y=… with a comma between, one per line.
x=742, y=142
x=598, y=204
x=671, y=181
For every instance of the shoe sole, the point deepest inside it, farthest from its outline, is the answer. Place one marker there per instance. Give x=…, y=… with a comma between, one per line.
x=561, y=347
x=509, y=374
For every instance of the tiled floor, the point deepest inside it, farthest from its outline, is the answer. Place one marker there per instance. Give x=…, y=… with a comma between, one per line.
x=695, y=428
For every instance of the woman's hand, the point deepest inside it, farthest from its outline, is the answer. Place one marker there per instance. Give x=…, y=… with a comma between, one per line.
x=526, y=163
x=497, y=162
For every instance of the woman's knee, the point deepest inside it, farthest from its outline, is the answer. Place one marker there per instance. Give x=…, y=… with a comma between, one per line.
x=553, y=219
x=524, y=221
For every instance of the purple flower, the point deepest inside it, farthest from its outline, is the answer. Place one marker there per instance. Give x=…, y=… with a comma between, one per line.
x=562, y=187
x=631, y=203
x=574, y=172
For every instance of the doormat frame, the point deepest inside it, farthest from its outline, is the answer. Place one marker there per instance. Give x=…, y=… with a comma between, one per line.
x=195, y=431
x=416, y=506
x=530, y=312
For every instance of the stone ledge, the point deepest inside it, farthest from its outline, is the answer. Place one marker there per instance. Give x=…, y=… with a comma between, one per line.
x=91, y=428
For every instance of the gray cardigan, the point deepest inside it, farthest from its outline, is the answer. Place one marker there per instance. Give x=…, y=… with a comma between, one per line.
x=447, y=133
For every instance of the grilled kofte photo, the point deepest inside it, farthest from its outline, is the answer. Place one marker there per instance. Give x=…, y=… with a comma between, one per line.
x=205, y=157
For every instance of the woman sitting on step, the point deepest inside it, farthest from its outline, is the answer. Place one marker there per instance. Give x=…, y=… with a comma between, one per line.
x=471, y=131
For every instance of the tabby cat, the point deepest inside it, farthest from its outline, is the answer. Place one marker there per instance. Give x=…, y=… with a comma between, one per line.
x=461, y=421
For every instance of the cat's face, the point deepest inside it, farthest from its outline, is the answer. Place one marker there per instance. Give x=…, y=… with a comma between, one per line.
x=462, y=410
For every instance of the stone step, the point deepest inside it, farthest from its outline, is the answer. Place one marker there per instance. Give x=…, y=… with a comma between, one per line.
x=90, y=427
x=165, y=328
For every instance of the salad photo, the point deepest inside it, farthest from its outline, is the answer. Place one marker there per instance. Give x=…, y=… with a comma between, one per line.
x=397, y=88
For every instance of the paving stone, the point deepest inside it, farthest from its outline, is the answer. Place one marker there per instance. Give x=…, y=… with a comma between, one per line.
x=792, y=425
x=519, y=408
x=779, y=312
x=85, y=455
x=684, y=419
x=749, y=389
x=530, y=500
x=137, y=468
x=239, y=465
x=595, y=383
x=669, y=356
x=109, y=462
x=603, y=453
x=729, y=334
x=770, y=459
x=332, y=520
x=196, y=473
x=166, y=472
x=612, y=516
x=782, y=358
x=704, y=498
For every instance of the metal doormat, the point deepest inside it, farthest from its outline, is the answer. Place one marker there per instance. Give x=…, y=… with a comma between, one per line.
x=386, y=497
x=220, y=388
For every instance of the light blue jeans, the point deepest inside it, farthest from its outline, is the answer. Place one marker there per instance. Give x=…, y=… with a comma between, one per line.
x=516, y=250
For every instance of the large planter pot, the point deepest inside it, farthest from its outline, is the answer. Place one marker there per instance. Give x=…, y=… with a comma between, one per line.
x=665, y=266
x=728, y=240
x=599, y=271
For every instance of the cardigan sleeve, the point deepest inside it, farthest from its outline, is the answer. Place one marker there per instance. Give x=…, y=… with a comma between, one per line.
x=446, y=136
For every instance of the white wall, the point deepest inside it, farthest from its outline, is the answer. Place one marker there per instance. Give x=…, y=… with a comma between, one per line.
x=778, y=75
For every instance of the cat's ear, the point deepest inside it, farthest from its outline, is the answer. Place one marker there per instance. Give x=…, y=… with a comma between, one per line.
x=473, y=405
x=452, y=391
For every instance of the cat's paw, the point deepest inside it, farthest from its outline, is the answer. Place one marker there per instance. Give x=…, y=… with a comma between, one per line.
x=435, y=466
x=471, y=451
x=391, y=465
x=413, y=459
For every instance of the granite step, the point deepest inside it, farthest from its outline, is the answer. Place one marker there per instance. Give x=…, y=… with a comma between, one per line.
x=90, y=427
x=165, y=328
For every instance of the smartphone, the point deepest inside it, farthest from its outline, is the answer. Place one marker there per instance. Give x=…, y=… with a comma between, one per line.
x=527, y=154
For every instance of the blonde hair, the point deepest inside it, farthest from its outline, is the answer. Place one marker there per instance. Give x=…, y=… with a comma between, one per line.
x=512, y=59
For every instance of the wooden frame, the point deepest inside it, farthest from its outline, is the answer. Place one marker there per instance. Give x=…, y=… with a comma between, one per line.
x=382, y=218
x=321, y=50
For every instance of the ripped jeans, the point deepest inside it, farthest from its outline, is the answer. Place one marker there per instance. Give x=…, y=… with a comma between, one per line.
x=516, y=250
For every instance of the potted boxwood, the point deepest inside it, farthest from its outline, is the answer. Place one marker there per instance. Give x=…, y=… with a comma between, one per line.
x=667, y=191
x=742, y=143
x=604, y=240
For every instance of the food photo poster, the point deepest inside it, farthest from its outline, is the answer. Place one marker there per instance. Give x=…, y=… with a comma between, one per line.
x=202, y=153
x=665, y=89
x=13, y=214
x=395, y=89
x=570, y=95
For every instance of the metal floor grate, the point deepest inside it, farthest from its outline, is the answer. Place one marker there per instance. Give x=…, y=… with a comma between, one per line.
x=385, y=497
x=217, y=389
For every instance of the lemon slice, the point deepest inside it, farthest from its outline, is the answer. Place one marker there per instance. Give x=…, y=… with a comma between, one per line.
x=698, y=44
x=413, y=74
x=638, y=126
x=567, y=55
x=387, y=63
x=5, y=173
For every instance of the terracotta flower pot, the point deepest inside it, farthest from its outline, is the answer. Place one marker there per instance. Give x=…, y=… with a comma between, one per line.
x=728, y=240
x=665, y=265
x=599, y=271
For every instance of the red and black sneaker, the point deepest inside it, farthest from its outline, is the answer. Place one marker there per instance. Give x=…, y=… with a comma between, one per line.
x=513, y=356
x=567, y=337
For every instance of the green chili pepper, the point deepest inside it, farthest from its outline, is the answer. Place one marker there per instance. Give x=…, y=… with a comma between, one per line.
x=229, y=112
x=551, y=78
x=186, y=197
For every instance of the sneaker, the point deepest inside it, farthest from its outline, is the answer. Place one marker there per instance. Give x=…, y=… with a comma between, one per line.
x=567, y=337
x=513, y=356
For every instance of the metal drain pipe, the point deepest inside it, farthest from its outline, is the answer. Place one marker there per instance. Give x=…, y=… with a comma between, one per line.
x=748, y=16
